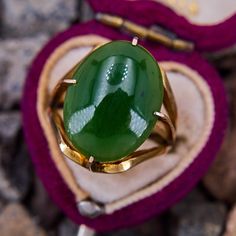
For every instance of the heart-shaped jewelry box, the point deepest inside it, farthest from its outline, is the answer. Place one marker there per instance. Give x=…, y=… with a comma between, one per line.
x=148, y=189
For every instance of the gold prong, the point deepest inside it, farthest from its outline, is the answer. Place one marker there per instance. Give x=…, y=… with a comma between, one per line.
x=91, y=159
x=69, y=81
x=90, y=162
x=159, y=114
x=169, y=127
x=135, y=41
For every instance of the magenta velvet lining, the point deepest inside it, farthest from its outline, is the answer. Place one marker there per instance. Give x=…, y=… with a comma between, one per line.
x=147, y=13
x=150, y=206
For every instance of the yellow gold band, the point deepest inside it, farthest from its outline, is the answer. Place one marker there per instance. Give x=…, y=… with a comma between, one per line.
x=163, y=133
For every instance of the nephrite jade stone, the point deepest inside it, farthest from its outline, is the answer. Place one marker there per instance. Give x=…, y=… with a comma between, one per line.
x=108, y=113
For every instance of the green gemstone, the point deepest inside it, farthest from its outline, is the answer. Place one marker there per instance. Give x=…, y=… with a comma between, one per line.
x=108, y=113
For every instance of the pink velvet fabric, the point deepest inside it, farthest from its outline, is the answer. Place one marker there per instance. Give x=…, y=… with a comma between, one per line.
x=147, y=13
x=150, y=206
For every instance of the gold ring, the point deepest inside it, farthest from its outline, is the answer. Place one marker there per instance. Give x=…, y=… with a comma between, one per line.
x=109, y=103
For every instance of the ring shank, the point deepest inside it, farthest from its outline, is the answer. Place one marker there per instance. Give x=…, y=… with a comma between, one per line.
x=163, y=133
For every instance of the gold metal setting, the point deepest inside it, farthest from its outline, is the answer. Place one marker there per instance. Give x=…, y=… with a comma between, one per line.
x=163, y=133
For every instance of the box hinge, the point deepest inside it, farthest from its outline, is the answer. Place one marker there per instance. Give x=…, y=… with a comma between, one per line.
x=155, y=34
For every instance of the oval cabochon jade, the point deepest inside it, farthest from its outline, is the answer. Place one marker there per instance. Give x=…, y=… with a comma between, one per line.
x=109, y=112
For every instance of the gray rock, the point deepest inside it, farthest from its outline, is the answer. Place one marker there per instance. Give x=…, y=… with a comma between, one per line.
x=9, y=130
x=224, y=60
x=47, y=214
x=15, y=166
x=85, y=11
x=67, y=227
x=27, y=17
x=197, y=195
x=151, y=227
x=19, y=171
x=14, y=220
x=7, y=191
x=197, y=218
x=15, y=57
x=10, y=124
x=231, y=223
x=222, y=172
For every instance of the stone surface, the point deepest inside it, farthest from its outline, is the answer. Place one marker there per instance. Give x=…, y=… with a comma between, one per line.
x=44, y=210
x=222, y=172
x=13, y=160
x=85, y=11
x=67, y=227
x=151, y=227
x=15, y=57
x=197, y=219
x=113, y=103
x=224, y=62
x=20, y=165
x=14, y=220
x=27, y=17
x=231, y=223
x=10, y=124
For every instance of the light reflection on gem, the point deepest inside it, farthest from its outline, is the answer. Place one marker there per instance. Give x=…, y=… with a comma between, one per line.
x=80, y=118
x=117, y=73
x=137, y=124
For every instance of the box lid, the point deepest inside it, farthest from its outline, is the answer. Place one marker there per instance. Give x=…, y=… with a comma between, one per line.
x=212, y=31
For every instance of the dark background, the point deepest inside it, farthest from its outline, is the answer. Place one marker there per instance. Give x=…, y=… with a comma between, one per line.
x=25, y=208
